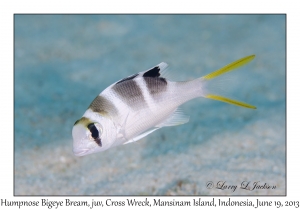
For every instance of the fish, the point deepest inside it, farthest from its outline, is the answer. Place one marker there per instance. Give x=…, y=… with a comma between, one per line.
x=136, y=106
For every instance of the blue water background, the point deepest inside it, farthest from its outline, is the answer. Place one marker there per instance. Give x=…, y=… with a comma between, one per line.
x=62, y=62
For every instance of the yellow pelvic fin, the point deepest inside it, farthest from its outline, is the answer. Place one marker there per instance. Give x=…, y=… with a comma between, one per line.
x=229, y=67
x=230, y=101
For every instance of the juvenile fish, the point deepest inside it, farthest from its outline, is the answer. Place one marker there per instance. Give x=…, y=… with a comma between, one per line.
x=136, y=106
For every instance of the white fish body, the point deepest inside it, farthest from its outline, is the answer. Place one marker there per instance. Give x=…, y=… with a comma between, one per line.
x=134, y=107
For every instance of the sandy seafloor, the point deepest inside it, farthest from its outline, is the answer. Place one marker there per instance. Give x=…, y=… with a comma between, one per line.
x=62, y=62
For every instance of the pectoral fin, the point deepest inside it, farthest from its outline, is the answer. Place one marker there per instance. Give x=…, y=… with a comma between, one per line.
x=176, y=118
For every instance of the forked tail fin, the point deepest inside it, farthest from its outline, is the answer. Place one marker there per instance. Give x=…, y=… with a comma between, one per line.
x=223, y=70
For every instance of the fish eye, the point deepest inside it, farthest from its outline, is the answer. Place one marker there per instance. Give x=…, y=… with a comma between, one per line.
x=95, y=132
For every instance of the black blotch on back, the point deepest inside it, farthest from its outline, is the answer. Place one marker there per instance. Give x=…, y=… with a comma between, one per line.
x=154, y=72
x=127, y=78
x=95, y=133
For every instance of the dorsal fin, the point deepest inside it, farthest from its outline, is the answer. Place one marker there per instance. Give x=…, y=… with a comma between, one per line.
x=128, y=78
x=156, y=71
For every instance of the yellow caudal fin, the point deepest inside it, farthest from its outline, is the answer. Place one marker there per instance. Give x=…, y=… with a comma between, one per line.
x=230, y=101
x=229, y=67
x=225, y=69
